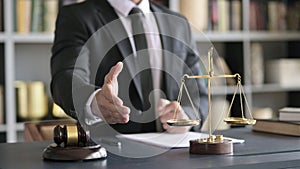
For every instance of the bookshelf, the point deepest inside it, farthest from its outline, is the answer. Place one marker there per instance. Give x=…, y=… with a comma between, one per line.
x=236, y=45
x=27, y=56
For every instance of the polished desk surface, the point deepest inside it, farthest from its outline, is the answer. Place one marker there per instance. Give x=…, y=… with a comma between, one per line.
x=260, y=150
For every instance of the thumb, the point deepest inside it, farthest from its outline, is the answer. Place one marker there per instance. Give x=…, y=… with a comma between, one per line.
x=114, y=73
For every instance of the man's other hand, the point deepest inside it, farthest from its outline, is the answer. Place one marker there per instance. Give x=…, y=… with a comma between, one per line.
x=167, y=111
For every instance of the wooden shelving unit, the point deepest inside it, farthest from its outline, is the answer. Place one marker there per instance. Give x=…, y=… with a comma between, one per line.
x=14, y=44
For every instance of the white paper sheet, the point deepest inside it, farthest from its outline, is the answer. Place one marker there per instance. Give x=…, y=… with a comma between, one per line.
x=167, y=140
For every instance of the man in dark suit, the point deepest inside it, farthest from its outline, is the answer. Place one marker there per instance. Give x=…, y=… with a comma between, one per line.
x=95, y=75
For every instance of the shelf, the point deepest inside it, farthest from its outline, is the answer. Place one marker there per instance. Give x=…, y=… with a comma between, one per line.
x=225, y=90
x=2, y=128
x=20, y=126
x=273, y=36
x=28, y=38
x=218, y=36
x=237, y=36
x=2, y=37
x=33, y=38
x=273, y=88
x=240, y=36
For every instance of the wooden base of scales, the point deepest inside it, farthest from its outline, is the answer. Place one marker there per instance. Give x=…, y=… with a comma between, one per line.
x=212, y=145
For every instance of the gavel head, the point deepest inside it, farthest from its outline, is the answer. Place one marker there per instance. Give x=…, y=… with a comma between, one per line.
x=70, y=135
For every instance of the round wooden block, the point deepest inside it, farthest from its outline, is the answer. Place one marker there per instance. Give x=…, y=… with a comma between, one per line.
x=206, y=147
x=54, y=152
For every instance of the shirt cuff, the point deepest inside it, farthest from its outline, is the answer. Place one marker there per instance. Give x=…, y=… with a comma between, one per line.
x=90, y=117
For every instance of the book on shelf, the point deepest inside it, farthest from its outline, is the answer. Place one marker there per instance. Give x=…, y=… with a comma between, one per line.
x=1, y=15
x=285, y=72
x=50, y=14
x=217, y=15
x=223, y=15
x=235, y=15
x=2, y=84
x=23, y=15
x=196, y=12
x=274, y=15
x=289, y=114
x=281, y=17
x=35, y=15
x=31, y=100
x=293, y=20
x=58, y=112
x=1, y=105
x=2, y=64
x=277, y=126
x=258, y=15
x=213, y=15
x=257, y=63
x=277, y=12
x=21, y=99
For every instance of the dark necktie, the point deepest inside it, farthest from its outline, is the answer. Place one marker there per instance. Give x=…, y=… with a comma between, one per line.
x=143, y=62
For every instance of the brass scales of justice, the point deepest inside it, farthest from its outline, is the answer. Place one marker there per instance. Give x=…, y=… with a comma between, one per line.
x=214, y=144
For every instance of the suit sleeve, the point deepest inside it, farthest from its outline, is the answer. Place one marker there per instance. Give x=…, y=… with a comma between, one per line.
x=70, y=85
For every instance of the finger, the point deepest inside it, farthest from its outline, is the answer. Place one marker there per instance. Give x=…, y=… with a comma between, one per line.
x=162, y=103
x=172, y=129
x=116, y=119
x=111, y=105
x=114, y=72
x=170, y=111
x=113, y=117
x=120, y=118
x=177, y=130
x=164, y=118
x=170, y=108
x=123, y=110
x=166, y=126
x=108, y=94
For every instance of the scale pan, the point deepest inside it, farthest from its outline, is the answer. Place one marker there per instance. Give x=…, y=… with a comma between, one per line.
x=183, y=122
x=239, y=120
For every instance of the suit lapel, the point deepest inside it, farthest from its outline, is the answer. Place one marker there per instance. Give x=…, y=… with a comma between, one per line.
x=118, y=33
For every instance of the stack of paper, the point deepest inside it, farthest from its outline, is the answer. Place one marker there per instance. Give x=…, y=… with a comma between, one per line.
x=167, y=140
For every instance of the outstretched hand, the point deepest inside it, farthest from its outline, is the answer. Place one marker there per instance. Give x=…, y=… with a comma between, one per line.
x=110, y=106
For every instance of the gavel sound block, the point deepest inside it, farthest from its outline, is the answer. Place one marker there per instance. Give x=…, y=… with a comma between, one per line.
x=72, y=143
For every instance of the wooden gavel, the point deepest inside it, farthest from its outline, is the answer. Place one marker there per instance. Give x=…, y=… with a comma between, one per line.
x=70, y=135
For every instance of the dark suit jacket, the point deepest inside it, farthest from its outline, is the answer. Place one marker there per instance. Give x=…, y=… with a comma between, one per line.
x=89, y=40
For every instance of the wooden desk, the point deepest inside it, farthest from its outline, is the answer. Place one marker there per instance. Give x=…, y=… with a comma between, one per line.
x=260, y=150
